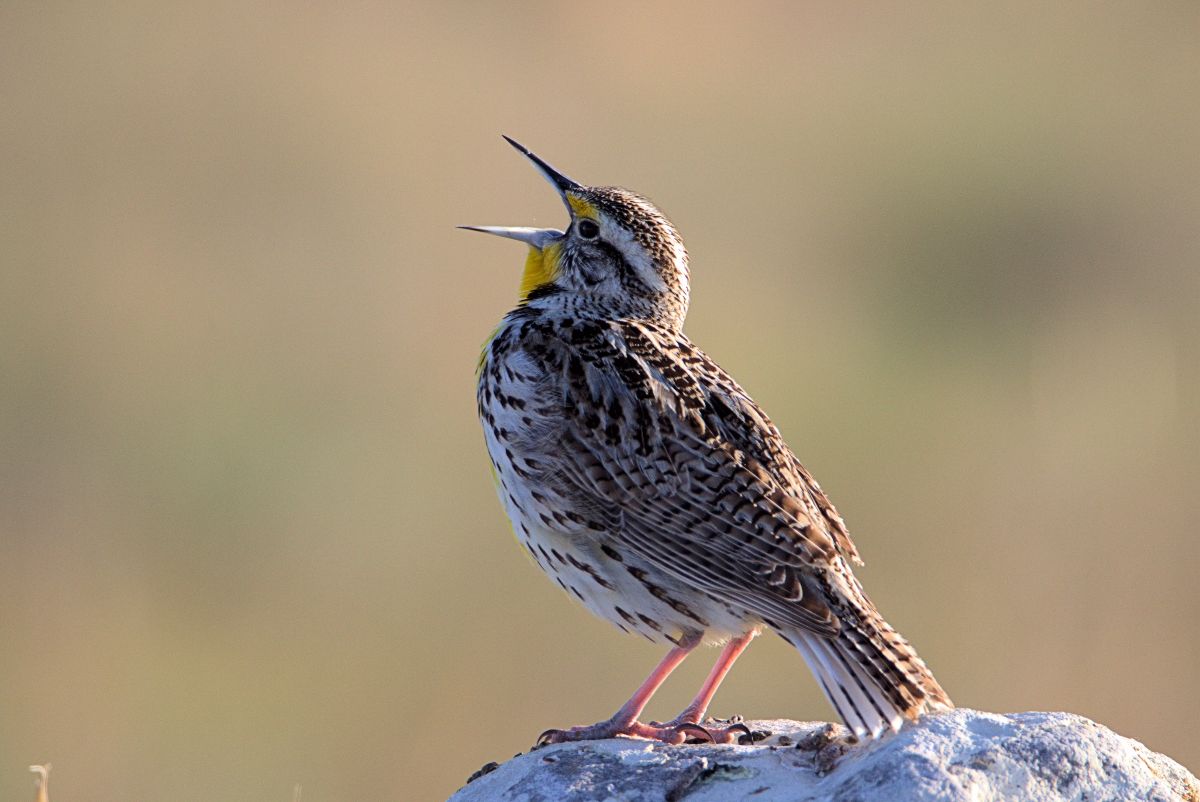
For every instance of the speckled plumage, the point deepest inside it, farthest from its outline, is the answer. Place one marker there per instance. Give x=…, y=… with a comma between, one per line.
x=646, y=483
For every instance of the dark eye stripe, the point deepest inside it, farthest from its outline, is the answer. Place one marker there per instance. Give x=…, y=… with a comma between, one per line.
x=625, y=271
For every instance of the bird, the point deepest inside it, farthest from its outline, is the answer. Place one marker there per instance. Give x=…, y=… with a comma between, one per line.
x=648, y=485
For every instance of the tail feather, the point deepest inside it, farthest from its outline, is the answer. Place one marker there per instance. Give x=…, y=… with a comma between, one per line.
x=877, y=711
x=817, y=667
x=874, y=686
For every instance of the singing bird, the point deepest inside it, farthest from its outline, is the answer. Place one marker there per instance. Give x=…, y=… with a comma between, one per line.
x=646, y=482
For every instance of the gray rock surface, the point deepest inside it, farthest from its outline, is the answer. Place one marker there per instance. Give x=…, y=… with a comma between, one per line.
x=962, y=755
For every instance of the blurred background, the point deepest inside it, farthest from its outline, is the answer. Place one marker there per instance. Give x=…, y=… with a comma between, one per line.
x=248, y=538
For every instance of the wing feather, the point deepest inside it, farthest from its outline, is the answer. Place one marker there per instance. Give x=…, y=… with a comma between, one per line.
x=684, y=468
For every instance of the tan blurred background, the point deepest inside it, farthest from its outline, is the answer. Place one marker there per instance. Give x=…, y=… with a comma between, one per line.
x=248, y=538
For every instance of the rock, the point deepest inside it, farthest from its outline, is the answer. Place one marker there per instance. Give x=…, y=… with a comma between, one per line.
x=961, y=755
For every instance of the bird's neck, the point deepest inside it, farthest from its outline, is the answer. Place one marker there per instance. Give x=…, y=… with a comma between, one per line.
x=585, y=308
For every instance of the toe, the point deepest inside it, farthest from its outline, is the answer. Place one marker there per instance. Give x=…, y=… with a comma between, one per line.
x=694, y=732
x=549, y=737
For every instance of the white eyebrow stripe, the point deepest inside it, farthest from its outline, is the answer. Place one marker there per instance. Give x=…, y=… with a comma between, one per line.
x=635, y=254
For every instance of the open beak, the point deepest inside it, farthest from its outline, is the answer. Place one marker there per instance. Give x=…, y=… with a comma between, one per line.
x=556, y=179
x=534, y=237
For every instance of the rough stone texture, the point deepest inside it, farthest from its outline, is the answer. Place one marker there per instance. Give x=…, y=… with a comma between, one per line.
x=962, y=755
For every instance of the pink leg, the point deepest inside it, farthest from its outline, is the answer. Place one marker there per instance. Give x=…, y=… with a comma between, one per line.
x=624, y=721
x=694, y=712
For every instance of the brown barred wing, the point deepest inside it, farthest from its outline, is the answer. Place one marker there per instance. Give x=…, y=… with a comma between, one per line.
x=737, y=420
x=648, y=439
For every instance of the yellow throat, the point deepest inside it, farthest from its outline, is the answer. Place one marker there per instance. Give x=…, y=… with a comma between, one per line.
x=541, y=267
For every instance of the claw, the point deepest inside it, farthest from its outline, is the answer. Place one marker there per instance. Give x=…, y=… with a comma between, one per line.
x=548, y=737
x=701, y=733
x=754, y=737
x=739, y=726
x=730, y=733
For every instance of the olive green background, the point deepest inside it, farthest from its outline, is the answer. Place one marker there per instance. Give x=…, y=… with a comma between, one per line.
x=248, y=538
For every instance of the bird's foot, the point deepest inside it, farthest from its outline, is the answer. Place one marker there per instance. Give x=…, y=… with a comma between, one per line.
x=717, y=731
x=672, y=733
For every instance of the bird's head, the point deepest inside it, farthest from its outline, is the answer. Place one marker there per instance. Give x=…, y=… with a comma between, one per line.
x=619, y=257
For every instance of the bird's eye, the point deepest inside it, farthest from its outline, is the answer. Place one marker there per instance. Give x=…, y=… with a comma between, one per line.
x=588, y=229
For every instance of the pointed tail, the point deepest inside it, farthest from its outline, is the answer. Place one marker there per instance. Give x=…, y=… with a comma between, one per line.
x=871, y=675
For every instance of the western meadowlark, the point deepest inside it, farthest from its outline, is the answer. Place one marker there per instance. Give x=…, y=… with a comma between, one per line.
x=652, y=488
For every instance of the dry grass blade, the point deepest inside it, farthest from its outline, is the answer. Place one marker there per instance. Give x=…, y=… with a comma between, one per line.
x=43, y=782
